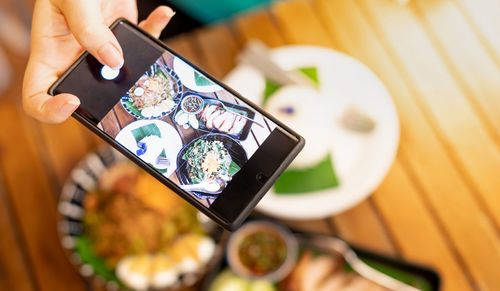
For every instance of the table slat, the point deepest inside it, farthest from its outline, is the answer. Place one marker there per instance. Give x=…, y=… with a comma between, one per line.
x=440, y=96
x=15, y=271
x=300, y=25
x=33, y=202
x=465, y=56
x=441, y=184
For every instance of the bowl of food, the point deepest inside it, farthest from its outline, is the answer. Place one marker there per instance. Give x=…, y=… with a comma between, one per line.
x=156, y=94
x=208, y=158
x=192, y=104
x=126, y=231
x=262, y=250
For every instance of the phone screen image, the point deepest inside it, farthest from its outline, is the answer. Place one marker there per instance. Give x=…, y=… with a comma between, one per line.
x=186, y=127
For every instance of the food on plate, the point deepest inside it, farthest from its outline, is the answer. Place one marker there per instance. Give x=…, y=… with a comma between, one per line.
x=208, y=160
x=213, y=116
x=150, y=148
x=262, y=250
x=324, y=273
x=153, y=94
x=136, y=225
x=228, y=281
x=306, y=111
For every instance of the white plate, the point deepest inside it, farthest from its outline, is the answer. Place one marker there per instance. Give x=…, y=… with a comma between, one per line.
x=186, y=74
x=170, y=138
x=361, y=161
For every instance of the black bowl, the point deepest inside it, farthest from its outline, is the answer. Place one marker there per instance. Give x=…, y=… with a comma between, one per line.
x=234, y=148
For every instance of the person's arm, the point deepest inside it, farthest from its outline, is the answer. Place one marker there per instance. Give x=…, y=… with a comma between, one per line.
x=61, y=31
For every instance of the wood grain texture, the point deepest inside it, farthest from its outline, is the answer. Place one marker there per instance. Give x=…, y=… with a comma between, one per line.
x=441, y=98
x=294, y=19
x=442, y=185
x=15, y=271
x=33, y=202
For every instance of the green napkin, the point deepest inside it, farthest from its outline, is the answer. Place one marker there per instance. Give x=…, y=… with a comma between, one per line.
x=318, y=177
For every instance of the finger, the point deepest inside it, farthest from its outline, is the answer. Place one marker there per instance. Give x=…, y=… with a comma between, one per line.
x=51, y=109
x=87, y=25
x=157, y=20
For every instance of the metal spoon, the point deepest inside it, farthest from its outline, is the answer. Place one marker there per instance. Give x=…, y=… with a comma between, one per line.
x=235, y=113
x=210, y=187
x=339, y=246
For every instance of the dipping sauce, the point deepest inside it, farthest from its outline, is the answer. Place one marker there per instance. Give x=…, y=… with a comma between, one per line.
x=262, y=252
x=192, y=104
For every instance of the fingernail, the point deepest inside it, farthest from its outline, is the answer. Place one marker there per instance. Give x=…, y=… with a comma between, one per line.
x=110, y=56
x=172, y=13
x=69, y=107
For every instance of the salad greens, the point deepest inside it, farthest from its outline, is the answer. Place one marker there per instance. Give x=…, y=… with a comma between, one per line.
x=208, y=160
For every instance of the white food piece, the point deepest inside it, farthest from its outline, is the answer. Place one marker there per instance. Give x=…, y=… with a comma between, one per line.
x=193, y=121
x=206, y=250
x=220, y=119
x=164, y=272
x=228, y=123
x=181, y=118
x=154, y=146
x=209, y=109
x=211, y=118
x=147, y=112
x=238, y=126
x=188, y=265
x=138, y=91
x=134, y=271
x=310, y=117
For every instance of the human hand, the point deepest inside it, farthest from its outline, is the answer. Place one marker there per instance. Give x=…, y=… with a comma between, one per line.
x=61, y=31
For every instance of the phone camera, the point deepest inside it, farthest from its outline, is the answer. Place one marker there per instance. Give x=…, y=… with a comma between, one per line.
x=109, y=74
x=261, y=177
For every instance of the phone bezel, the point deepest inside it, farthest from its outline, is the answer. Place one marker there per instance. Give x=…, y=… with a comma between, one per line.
x=218, y=217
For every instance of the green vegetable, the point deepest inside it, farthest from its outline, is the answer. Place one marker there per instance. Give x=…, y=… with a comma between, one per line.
x=319, y=177
x=133, y=109
x=233, y=168
x=201, y=80
x=84, y=249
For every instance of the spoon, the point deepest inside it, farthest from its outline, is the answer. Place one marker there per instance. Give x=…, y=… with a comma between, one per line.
x=339, y=246
x=210, y=187
x=239, y=114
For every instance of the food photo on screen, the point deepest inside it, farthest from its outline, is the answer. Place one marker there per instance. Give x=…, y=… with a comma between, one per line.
x=186, y=127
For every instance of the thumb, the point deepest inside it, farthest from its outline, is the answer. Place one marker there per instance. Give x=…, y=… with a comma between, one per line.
x=87, y=25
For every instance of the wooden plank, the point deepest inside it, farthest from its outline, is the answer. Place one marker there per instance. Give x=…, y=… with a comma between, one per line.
x=418, y=236
x=65, y=144
x=442, y=184
x=361, y=225
x=300, y=25
x=218, y=50
x=33, y=202
x=15, y=273
x=465, y=57
x=483, y=16
x=441, y=97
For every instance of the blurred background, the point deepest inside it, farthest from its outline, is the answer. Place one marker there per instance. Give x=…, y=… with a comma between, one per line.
x=402, y=118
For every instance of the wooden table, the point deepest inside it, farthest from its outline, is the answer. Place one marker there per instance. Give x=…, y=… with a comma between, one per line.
x=439, y=204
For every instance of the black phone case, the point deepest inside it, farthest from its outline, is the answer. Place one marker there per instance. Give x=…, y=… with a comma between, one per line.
x=230, y=225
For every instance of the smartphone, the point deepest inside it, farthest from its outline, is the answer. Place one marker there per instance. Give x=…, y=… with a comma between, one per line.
x=211, y=146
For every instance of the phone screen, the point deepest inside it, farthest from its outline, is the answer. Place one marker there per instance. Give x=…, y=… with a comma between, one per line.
x=185, y=126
